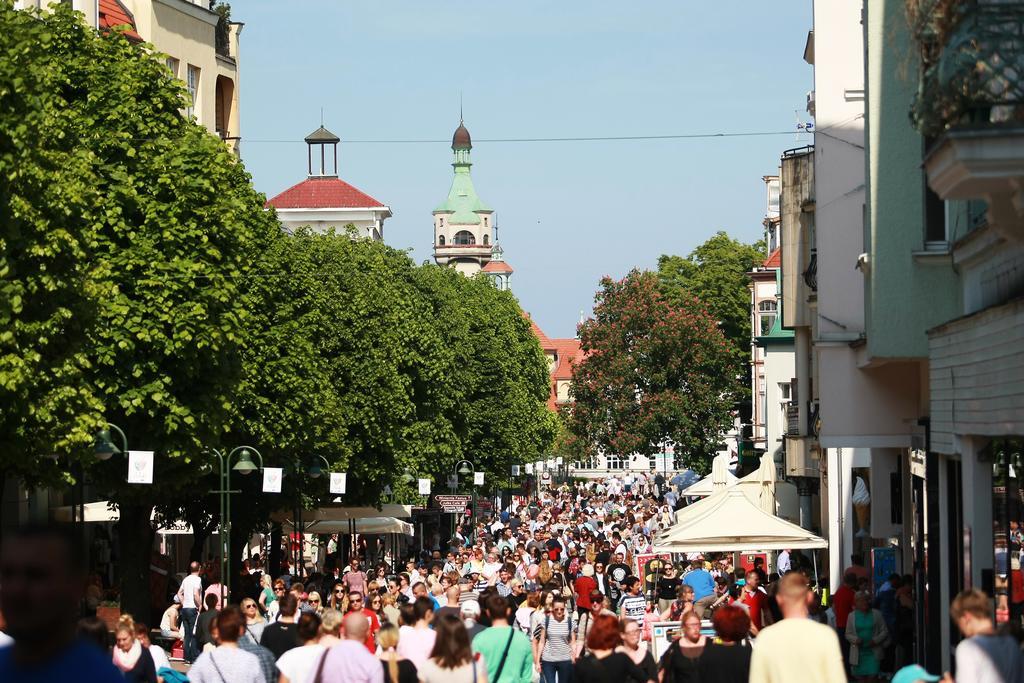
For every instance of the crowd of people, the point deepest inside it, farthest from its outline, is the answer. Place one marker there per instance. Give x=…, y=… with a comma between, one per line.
x=551, y=590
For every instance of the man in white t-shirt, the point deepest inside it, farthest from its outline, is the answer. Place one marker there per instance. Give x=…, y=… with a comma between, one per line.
x=983, y=655
x=190, y=597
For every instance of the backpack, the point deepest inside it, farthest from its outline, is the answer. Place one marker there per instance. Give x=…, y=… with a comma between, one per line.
x=547, y=620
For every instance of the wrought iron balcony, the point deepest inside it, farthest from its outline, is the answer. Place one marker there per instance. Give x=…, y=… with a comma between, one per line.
x=972, y=62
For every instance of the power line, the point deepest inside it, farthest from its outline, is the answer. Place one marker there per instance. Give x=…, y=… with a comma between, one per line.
x=594, y=138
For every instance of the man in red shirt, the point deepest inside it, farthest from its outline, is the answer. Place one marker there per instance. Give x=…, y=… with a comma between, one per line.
x=842, y=606
x=754, y=598
x=356, y=604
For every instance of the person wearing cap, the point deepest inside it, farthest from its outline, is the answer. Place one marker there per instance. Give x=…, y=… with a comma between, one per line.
x=915, y=673
x=470, y=613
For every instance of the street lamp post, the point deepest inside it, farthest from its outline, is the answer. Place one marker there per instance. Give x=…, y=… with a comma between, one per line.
x=465, y=467
x=103, y=449
x=243, y=466
x=315, y=471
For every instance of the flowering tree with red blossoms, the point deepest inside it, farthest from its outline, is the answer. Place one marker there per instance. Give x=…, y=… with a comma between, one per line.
x=653, y=370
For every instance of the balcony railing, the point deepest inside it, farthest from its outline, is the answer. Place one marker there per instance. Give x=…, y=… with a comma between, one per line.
x=972, y=62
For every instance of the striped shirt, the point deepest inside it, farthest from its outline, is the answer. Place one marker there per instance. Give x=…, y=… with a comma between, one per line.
x=634, y=607
x=556, y=645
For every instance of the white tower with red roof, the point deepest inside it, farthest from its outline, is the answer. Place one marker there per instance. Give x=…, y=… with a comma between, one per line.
x=323, y=201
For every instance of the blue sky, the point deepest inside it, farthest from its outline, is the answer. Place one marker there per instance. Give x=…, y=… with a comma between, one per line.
x=569, y=212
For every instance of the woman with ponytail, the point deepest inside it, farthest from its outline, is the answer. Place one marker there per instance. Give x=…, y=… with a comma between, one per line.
x=133, y=660
x=396, y=669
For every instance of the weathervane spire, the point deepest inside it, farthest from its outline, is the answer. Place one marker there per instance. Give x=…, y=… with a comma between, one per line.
x=460, y=106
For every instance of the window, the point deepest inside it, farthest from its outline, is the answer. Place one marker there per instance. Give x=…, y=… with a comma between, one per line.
x=172, y=66
x=766, y=315
x=614, y=462
x=440, y=240
x=193, y=90
x=464, y=237
x=442, y=221
x=485, y=221
x=487, y=240
x=773, y=197
x=784, y=391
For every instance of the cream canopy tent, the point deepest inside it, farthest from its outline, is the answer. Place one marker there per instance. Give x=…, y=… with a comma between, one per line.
x=730, y=521
x=705, y=487
x=337, y=513
x=361, y=525
x=99, y=511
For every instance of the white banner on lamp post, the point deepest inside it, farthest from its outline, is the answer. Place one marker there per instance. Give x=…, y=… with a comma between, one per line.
x=338, y=482
x=272, y=479
x=140, y=467
x=424, y=487
x=478, y=479
x=529, y=468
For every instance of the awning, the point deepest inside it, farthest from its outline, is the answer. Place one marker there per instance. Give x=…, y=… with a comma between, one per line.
x=338, y=513
x=731, y=521
x=705, y=487
x=363, y=525
x=100, y=512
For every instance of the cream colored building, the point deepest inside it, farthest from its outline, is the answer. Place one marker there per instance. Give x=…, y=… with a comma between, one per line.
x=186, y=32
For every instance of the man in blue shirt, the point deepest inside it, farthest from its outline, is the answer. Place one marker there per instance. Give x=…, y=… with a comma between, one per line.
x=41, y=588
x=700, y=580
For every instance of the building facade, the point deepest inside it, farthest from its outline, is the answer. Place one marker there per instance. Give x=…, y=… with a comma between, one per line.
x=200, y=46
x=323, y=201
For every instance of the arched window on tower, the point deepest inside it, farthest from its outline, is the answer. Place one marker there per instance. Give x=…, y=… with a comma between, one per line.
x=766, y=311
x=441, y=218
x=485, y=221
x=487, y=240
x=440, y=240
x=464, y=237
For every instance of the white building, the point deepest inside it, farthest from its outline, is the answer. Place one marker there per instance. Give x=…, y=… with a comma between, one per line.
x=325, y=202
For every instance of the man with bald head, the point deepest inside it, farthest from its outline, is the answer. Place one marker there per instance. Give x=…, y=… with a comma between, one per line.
x=349, y=661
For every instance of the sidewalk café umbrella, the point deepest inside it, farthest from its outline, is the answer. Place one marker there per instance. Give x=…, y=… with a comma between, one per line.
x=766, y=473
x=705, y=486
x=730, y=521
x=720, y=472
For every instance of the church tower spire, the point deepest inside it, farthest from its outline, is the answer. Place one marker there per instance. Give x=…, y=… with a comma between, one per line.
x=463, y=224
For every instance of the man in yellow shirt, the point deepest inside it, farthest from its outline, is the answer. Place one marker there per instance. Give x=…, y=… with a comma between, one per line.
x=796, y=648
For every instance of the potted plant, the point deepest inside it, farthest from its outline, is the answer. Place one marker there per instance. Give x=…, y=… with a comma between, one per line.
x=109, y=611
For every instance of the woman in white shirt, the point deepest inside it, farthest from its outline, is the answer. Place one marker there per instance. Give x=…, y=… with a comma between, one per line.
x=295, y=664
x=452, y=660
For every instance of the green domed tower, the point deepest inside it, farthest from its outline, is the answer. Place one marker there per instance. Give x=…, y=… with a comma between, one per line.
x=463, y=224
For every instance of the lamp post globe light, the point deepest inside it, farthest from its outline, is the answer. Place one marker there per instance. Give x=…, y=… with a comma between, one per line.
x=104, y=448
x=244, y=465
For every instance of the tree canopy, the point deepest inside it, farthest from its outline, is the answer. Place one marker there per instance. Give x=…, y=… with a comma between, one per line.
x=654, y=370
x=143, y=282
x=716, y=273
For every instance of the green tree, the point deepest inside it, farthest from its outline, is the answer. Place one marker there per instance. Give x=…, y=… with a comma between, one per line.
x=652, y=371
x=166, y=247
x=716, y=273
x=498, y=374
x=49, y=202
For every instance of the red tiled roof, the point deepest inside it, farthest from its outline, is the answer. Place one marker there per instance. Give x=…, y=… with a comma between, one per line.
x=323, y=193
x=497, y=267
x=567, y=350
x=545, y=343
x=113, y=13
x=774, y=259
